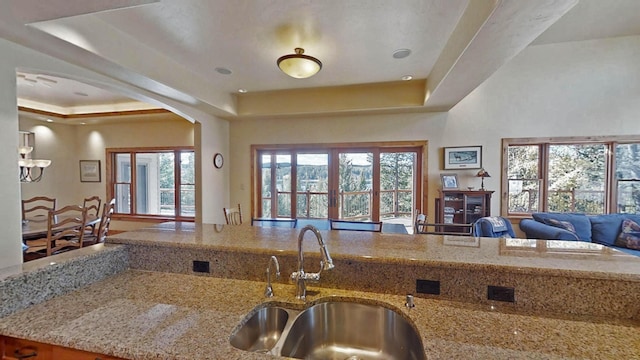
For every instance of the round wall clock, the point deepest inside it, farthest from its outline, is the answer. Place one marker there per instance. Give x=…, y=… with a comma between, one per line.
x=218, y=160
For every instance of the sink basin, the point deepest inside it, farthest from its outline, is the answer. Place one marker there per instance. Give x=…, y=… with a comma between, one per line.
x=331, y=330
x=262, y=330
x=346, y=330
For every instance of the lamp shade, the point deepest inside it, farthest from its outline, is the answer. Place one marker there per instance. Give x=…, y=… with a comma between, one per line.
x=483, y=173
x=298, y=65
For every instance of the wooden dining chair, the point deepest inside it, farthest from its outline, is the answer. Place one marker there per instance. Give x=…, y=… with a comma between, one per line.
x=65, y=231
x=37, y=208
x=93, y=211
x=282, y=223
x=374, y=226
x=103, y=227
x=233, y=216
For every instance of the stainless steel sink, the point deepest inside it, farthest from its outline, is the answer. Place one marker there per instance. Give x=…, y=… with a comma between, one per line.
x=262, y=330
x=333, y=330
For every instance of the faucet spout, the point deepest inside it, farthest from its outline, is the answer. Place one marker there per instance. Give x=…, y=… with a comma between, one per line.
x=300, y=277
x=268, y=291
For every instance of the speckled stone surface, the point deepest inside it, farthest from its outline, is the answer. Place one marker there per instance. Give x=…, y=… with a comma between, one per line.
x=169, y=313
x=588, y=279
x=151, y=315
x=37, y=281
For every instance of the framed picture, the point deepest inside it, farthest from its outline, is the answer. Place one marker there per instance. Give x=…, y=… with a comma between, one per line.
x=469, y=157
x=90, y=170
x=449, y=181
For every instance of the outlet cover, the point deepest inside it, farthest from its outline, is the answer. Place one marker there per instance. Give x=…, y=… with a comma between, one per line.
x=201, y=266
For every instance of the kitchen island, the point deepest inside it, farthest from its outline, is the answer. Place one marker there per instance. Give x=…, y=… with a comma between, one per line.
x=160, y=308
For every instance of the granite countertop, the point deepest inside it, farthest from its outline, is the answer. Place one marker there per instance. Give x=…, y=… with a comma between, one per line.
x=542, y=257
x=153, y=315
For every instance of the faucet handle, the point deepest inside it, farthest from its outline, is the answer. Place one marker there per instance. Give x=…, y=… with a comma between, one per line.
x=409, y=303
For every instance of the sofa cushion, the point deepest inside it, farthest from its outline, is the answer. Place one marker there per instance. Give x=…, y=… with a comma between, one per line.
x=561, y=224
x=606, y=228
x=629, y=235
x=580, y=222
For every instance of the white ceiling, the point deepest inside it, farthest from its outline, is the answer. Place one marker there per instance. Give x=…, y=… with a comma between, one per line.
x=174, y=46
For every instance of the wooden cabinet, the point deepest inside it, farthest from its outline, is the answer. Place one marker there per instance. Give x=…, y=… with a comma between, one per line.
x=462, y=207
x=14, y=349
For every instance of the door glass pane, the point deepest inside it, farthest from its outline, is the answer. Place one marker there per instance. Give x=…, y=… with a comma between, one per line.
x=122, y=188
x=312, y=185
x=283, y=185
x=265, y=187
x=187, y=184
x=577, y=178
x=397, y=173
x=155, y=183
x=355, y=186
x=123, y=198
x=524, y=184
x=628, y=178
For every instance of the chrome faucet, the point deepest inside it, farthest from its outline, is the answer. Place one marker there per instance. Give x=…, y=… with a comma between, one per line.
x=325, y=264
x=268, y=291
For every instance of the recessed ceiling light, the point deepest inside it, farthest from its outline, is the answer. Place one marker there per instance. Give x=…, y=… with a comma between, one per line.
x=49, y=120
x=223, y=71
x=401, y=53
x=80, y=93
x=242, y=91
x=407, y=77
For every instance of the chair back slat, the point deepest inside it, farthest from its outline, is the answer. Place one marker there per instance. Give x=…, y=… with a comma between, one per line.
x=373, y=226
x=65, y=228
x=37, y=207
x=233, y=216
x=93, y=206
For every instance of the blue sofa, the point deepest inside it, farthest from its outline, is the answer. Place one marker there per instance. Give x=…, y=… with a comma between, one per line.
x=600, y=229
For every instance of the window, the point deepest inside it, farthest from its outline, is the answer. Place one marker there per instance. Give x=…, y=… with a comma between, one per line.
x=362, y=182
x=152, y=183
x=594, y=175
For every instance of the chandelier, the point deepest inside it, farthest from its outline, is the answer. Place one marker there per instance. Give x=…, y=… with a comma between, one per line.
x=31, y=170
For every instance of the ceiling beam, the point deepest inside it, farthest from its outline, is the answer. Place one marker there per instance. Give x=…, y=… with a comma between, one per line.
x=488, y=35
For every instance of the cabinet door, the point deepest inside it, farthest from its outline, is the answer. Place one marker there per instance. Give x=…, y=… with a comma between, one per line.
x=16, y=349
x=475, y=207
x=25, y=349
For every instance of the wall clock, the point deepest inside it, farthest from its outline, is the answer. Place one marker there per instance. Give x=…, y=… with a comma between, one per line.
x=218, y=160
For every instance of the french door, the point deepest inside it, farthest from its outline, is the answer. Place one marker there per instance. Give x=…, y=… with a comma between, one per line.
x=369, y=183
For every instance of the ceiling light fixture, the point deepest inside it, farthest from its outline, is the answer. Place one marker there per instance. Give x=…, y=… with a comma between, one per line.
x=298, y=65
x=242, y=91
x=407, y=77
x=31, y=170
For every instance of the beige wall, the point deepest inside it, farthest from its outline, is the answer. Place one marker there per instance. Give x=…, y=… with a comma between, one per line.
x=572, y=89
x=65, y=145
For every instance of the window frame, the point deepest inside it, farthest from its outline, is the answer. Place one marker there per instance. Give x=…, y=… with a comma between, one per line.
x=610, y=191
x=293, y=149
x=110, y=156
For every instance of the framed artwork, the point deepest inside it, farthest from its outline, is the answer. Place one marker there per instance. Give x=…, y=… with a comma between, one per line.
x=469, y=157
x=90, y=170
x=449, y=181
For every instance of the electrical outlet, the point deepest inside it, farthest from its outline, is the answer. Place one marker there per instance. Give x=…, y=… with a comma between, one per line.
x=501, y=293
x=201, y=266
x=431, y=287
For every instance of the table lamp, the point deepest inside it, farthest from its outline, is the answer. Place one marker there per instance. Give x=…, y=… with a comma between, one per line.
x=482, y=174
